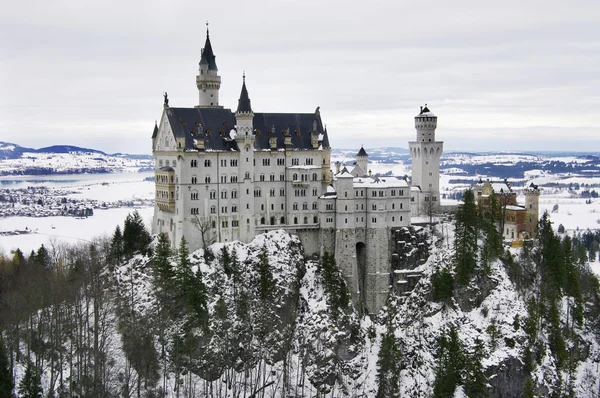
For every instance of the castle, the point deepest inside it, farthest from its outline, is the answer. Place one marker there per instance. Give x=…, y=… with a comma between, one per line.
x=222, y=176
x=517, y=222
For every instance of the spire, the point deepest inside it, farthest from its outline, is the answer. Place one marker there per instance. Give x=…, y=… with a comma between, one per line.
x=362, y=152
x=208, y=57
x=155, y=132
x=244, y=101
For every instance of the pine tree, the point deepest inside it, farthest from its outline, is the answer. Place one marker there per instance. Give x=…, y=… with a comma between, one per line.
x=191, y=284
x=162, y=260
x=115, y=255
x=136, y=237
x=442, y=285
x=31, y=384
x=475, y=380
x=465, y=241
x=571, y=281
x=388, y=366
x=334, y=284
x=42, y=257
x=492, y=239
x=225, y=261
x=450, y=364
x=528, y=390
x=7, y=383
x=266, y=284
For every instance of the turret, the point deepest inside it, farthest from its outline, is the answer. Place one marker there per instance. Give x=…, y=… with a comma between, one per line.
x=208, y=81
x=362, y=160
x=244, y=114
x=532, y=209
x=425, y=123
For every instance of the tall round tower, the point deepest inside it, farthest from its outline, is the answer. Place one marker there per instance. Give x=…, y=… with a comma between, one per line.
x=208, y=81
x=425, y=153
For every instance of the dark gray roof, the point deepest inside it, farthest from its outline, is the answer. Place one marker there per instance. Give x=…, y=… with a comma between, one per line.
x=362, y=152
x=244, y=101
x=155, y=132
x=214, y=124
x=208, y=57
x=424, y=110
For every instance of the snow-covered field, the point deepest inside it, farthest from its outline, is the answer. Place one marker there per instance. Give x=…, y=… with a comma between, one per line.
x=68, y=229
x=103, y=187
x=68, y=162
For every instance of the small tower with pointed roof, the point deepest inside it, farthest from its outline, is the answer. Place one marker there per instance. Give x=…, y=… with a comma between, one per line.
x=362, y=161
x=244, y=114
x=208, y=80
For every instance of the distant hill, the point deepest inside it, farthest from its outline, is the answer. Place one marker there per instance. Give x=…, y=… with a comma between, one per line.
x=10, y=150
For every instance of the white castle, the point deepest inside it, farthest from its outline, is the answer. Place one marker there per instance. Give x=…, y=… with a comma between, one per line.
x=224, y=176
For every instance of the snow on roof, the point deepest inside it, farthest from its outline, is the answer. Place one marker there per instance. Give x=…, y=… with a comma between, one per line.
x=344, y=174
x=380, y=182
x=499, y=187
x=513, y=207
x=330, y=189
x=415, y=188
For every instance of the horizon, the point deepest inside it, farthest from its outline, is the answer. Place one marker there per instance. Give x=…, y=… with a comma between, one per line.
x=502, y=151
x=494, y=76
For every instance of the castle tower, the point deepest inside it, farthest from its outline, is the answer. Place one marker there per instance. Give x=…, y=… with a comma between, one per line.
x=425, y=153
x=362, y=160
x=245, y=140
x=208, y=81
x=532, y=209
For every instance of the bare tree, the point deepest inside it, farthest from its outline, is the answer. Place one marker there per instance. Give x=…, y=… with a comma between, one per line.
x=202, y=224
x=429, y=208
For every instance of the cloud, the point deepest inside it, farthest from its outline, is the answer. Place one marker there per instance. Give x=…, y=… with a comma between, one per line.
x=94, y=71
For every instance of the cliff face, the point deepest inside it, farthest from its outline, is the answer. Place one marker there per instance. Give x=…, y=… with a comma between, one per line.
x=259, y=318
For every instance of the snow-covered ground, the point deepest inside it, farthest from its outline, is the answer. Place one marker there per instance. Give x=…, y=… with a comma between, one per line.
x=103, y=187
x=67, y=162
x=68, y=229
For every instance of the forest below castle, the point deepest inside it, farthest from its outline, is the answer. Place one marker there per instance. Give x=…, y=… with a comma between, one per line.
x=129, y=316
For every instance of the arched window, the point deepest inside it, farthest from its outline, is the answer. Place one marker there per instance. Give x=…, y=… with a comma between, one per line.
x=315, y=220
x=295, y=220
x=207, y=179
x=272, y=220
x=305, y=220
x=262, y=221
x=282, y=221
x=314, y=177
x=295, y=177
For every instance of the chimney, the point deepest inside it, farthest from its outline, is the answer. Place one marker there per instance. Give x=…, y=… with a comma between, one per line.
x=337, y=167
x=288, y=138
x=370, y=172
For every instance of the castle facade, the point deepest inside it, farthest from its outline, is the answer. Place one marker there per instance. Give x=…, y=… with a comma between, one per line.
x=224, y=175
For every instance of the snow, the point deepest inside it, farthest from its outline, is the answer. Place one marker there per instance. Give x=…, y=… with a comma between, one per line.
x=67, y=229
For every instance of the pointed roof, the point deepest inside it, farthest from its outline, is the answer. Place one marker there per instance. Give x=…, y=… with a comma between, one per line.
x=425, y=112
x=155, y=132
x=362, y=152
x=244, y=101
x=208, y=57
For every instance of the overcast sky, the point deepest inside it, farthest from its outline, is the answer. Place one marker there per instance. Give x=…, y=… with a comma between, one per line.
x=504, y=75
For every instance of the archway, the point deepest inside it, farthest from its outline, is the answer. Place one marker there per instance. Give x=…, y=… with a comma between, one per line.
x=361, y=268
